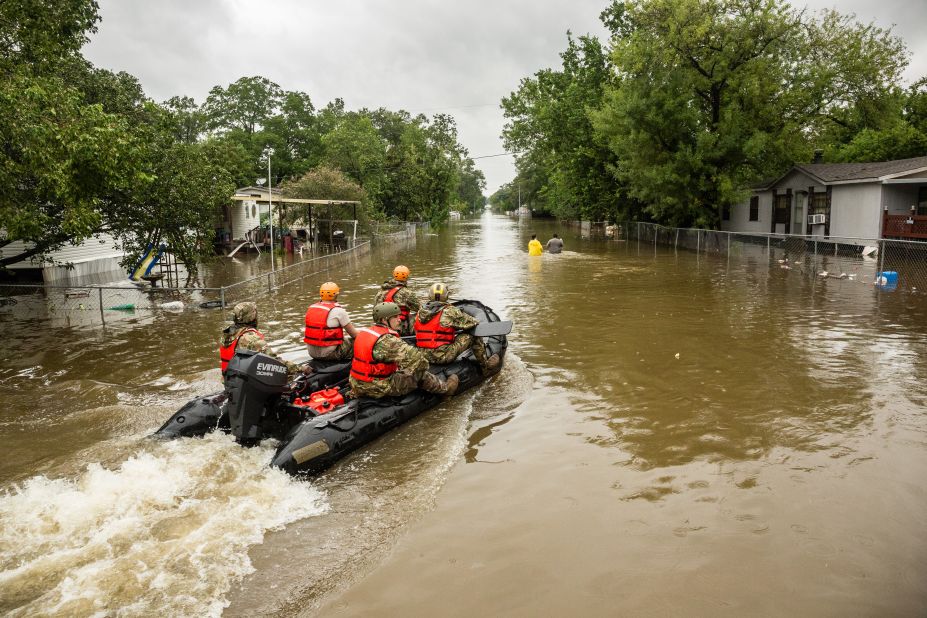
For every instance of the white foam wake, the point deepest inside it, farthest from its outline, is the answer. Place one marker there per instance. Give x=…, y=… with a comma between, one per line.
x=166, y=532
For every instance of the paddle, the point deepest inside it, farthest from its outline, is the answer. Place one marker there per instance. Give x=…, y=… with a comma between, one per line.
x=484, y=329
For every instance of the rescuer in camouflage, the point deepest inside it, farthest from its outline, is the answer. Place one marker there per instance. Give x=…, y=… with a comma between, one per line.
x=454, y=317
x=403, y=297
x=244, y=318
x=412, y=369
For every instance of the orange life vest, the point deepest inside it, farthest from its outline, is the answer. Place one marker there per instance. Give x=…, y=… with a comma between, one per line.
x=363, y=367
x=403, y=310
x=318, y=332
x=226, y=352
x=431, y=334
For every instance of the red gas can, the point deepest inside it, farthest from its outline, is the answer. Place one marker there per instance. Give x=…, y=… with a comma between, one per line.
x=322, y=401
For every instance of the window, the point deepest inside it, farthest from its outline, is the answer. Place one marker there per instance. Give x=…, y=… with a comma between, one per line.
x=781, y=210
x=922, y=200
x=818, y=205
x=755, y=208
x=726, y=212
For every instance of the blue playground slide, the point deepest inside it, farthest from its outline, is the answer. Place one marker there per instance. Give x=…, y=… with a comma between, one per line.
x=148, y=261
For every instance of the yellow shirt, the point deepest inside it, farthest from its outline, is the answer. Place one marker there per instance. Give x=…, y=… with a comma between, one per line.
x=535, y=247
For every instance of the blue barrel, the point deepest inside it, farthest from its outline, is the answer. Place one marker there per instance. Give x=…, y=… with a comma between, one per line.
x=887, y=279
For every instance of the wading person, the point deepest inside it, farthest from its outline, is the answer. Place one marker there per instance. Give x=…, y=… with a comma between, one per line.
x=534, y=246
x=326, y=324
x=385, y=366
x=554, y=245
x=243, y=334
x=438, y=327
x=395, y=291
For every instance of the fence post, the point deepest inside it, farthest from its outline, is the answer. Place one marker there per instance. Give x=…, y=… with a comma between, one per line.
x=269, y=287
x=100, y=295
x=676, y=243
x=728, y=246
x=698, y=240
x=881, y=263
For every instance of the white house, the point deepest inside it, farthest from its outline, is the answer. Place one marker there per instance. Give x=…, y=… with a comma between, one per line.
x=884, y=199
x=243, y=214
x=97, y=258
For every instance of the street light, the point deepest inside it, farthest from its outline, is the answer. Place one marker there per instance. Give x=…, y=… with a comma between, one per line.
x=269, y=152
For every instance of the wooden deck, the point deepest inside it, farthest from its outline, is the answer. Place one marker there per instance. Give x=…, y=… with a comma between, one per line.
x=905, y=227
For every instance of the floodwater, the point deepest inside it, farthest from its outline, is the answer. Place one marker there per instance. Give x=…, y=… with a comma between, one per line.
x=671, y=434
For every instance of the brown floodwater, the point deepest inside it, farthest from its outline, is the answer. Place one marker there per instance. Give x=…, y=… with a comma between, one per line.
x=672, y=434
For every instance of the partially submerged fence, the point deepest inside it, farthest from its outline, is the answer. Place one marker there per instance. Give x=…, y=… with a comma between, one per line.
x=886, y=263
x=88, y=305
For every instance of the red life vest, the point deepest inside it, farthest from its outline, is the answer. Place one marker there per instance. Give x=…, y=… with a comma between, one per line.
x=363, y=367
x=318, y=332
x=403, y=310
x=226, y=352
x=431, y=334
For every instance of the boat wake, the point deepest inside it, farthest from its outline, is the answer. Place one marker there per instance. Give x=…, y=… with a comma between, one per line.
x=167, y=531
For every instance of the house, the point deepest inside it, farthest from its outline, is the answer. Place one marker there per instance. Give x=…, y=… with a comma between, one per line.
x=243, y=213
x=884, y=199
x=93, y=260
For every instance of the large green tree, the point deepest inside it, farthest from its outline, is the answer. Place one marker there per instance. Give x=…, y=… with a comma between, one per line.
x=563, y=166
x=712, y=95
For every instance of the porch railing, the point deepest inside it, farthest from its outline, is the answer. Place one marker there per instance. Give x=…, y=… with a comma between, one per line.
x=904, y=226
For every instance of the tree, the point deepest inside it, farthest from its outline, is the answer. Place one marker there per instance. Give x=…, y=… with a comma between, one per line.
x=187, y=121
x=177, y=204
x=548, y=121
x=470, y=187
x=355, y=147
x=901, y=132
x=324, y=183
x=60, y=162
x=712, y=95
x=246, y=105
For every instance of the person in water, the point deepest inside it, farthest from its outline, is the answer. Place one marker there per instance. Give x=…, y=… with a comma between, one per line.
x=243, y=334
x=326, y=323
x=395, y=291
x=440, y=330
x=385, y=366
x=554, y=245
x=534, y=246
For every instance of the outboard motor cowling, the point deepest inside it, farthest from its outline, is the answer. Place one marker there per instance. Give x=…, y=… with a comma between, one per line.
x=252, y=381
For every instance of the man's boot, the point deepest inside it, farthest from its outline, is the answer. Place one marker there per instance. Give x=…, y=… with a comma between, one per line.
x=491, y=363
x=452, y=383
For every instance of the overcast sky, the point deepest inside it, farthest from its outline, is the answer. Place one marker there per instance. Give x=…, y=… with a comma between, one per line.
x=425, y=56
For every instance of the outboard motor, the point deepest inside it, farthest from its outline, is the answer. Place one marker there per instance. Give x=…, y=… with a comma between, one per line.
x=252, y=381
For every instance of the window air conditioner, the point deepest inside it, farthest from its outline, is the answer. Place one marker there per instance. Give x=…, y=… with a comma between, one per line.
x=817, y=219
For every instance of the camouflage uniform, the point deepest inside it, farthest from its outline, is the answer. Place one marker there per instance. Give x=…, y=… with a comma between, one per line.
x=456, y=318
x=412, y=373
x=245, y=318
x=404, y=297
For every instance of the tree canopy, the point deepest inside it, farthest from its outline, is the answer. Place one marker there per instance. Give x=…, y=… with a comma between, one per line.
x=83, y=150
x=695, y=100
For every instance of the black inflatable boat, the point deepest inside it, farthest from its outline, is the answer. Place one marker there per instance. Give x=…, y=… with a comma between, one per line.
x=258, y=403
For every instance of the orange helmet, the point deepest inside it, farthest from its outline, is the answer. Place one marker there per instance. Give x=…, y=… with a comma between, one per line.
x=329, y=290
x=401, y=273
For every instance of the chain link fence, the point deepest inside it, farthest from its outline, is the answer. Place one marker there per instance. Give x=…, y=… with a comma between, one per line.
x=886, y=263
x=94, y=305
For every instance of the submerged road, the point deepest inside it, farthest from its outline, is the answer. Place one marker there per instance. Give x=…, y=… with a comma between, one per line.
x=671, y=434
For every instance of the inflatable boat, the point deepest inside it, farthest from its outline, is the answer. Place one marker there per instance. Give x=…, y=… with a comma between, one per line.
x=313, y=420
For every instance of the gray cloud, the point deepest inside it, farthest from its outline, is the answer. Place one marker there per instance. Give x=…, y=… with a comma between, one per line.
x=418, y=55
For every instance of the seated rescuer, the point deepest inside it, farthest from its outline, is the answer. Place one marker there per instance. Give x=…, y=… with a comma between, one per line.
x=384, y=365
x=326, y=322
x=436, y=326
x=554, y=245
x=395, y=291
x=243, y=334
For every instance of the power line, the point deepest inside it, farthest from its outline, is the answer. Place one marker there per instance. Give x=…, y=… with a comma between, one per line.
x=504, y=154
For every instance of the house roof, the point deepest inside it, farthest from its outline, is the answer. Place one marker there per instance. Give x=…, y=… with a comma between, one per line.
x=843, y=172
